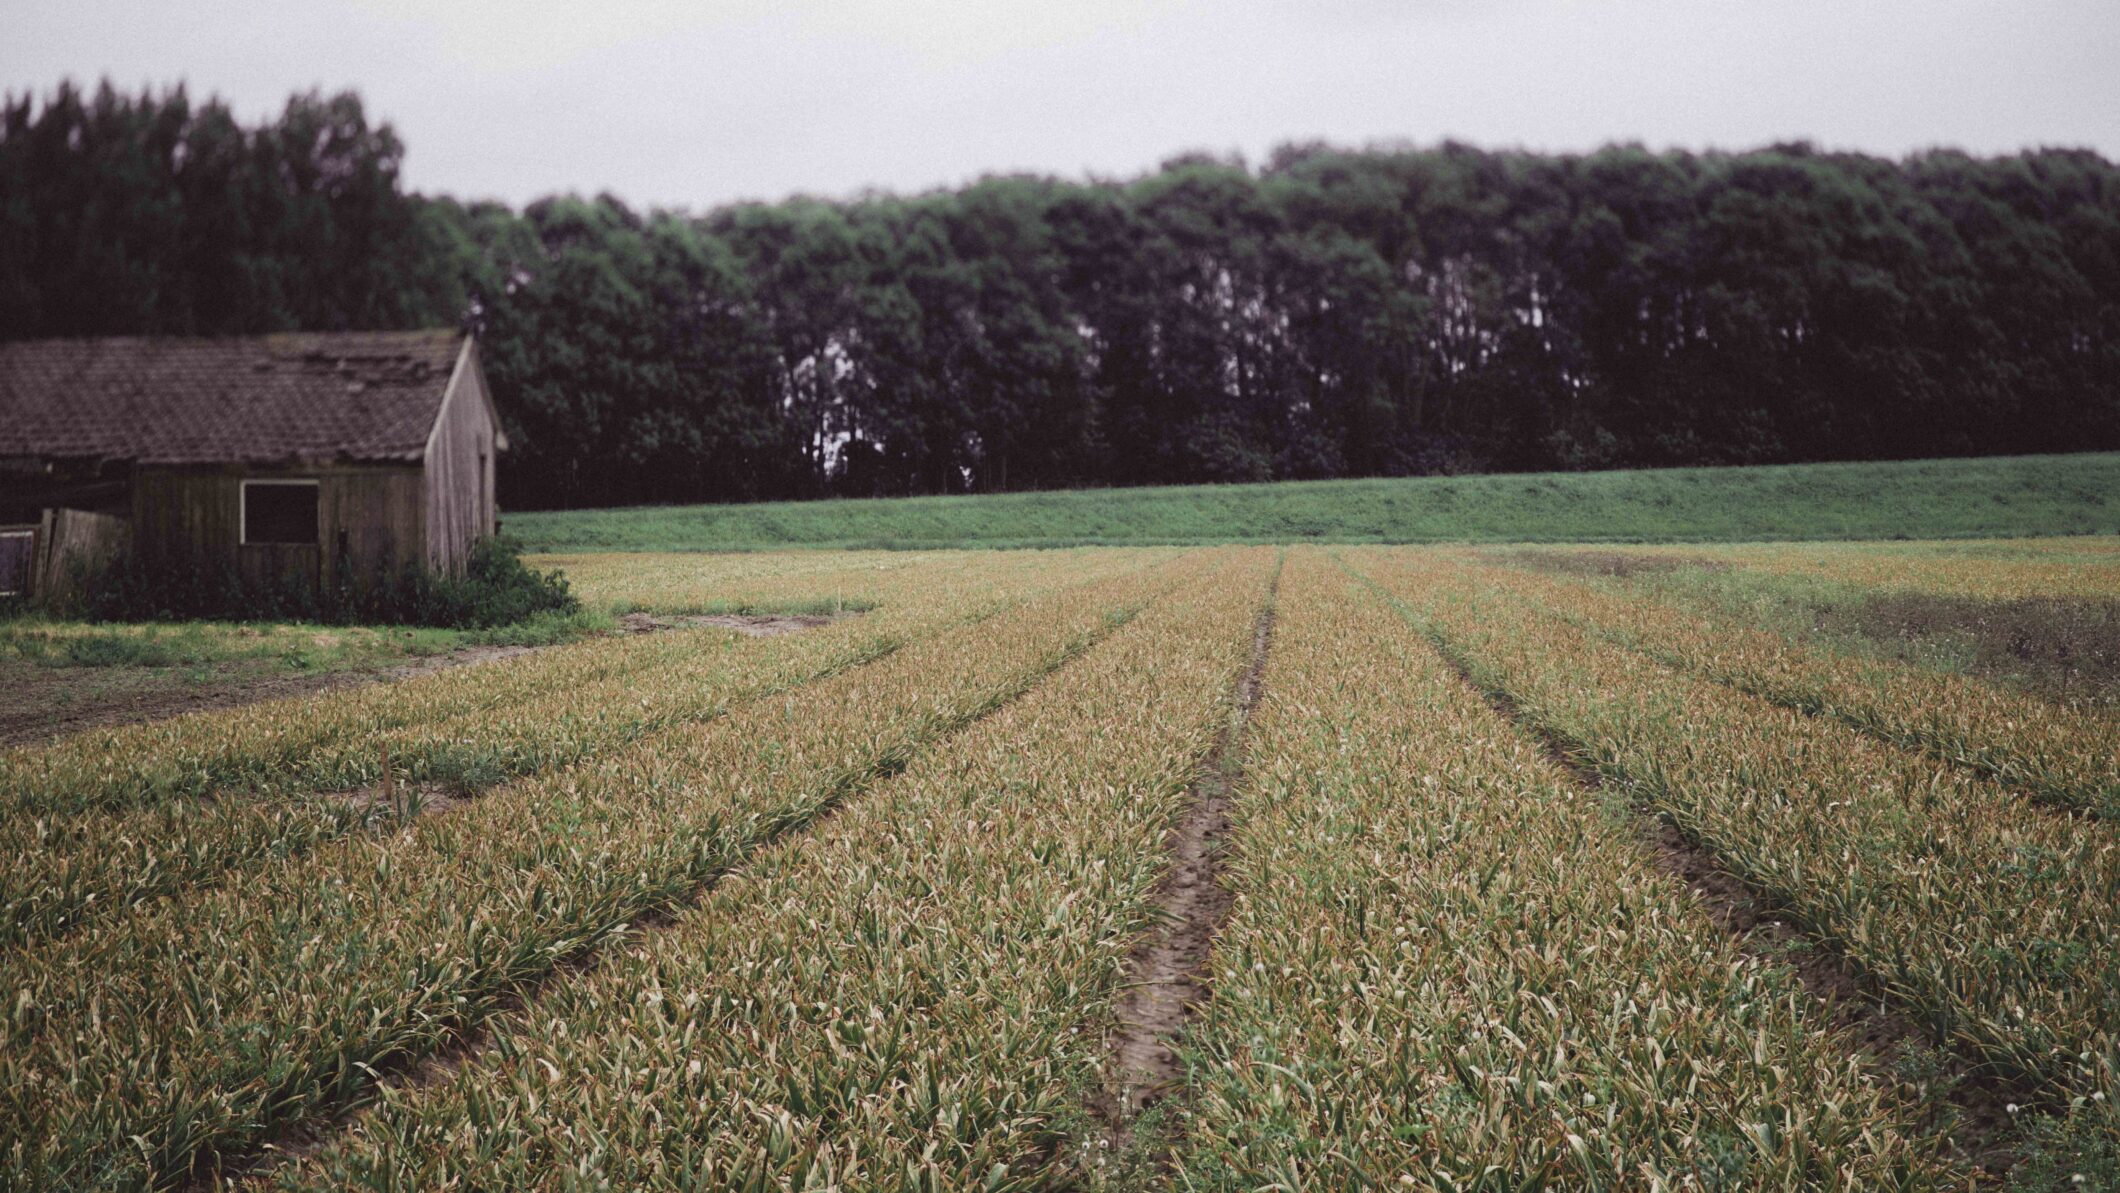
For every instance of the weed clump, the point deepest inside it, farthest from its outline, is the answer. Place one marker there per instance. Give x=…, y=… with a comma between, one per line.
x=495, y=589
x=2076, y=1151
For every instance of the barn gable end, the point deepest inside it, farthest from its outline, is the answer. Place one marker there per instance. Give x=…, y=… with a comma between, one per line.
x=458, y=466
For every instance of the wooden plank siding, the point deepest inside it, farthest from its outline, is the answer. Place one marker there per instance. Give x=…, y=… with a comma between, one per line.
x=459, y=469
x=372, y=514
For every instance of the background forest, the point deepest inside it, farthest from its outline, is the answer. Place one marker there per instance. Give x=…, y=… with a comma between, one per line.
x=1328, y=313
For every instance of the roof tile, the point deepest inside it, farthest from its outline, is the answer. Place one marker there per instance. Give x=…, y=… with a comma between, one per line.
x=259, y=399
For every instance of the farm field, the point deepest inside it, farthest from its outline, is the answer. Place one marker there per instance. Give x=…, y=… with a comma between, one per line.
x=1319, y=867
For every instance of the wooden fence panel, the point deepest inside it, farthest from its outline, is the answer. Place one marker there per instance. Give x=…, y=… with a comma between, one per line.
x=75, y=541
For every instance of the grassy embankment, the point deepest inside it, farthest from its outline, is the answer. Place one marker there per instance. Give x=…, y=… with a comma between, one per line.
x=2000, y=497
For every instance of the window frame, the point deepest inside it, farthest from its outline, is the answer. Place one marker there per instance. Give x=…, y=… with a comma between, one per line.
x=316, y=538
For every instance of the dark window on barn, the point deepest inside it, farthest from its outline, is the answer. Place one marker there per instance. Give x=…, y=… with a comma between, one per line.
x=17, y=548
x=280, y=512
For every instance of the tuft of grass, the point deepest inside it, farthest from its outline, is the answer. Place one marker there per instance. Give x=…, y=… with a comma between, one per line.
x=2078, y=1152
x=1996, y=497
x=202, y=647
x=549, y=628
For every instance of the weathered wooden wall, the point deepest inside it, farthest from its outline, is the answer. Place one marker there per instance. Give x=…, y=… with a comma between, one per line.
x=459, y=481
x=71, y=543
x=372, y=515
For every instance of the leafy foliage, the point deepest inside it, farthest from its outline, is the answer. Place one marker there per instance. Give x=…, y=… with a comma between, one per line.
x=905, y=998
x=2081, y=1151
x=1327, y=314
x=2054, y=753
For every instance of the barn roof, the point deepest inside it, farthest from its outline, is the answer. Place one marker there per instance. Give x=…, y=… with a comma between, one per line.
x=350, y=396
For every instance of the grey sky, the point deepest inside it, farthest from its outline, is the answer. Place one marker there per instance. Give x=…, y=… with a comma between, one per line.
x=699, y=103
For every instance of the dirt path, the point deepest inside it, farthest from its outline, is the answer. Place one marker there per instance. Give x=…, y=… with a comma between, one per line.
x=40, y=703
x=755, y=625
x=1167, y=972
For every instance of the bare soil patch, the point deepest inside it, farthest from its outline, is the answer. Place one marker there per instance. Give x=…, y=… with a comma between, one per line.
x=1167, y=971
x=2063, y=647
x=757, y=625
x=404, y=800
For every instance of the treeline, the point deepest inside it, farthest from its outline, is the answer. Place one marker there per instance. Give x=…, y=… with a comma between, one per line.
x=1329, y=313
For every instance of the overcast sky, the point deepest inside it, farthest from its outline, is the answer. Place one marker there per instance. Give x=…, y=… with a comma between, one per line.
x=692, y=104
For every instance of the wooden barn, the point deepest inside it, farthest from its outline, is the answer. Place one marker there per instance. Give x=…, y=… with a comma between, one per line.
x=305, y=457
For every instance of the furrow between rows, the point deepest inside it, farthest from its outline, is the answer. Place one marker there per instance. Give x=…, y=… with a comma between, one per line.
x=902, y=1000
x=1168, y=975
x=1448, y=969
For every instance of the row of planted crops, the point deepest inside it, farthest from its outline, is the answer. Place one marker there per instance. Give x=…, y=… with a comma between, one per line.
x=195, y=1024
x=851, y=909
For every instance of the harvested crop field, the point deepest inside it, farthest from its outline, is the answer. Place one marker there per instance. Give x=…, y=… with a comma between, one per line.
x=1240, y=868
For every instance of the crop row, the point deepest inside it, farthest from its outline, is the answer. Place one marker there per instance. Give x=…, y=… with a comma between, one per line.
x=805, y=581
x=906, y=1000
x=1449, y=968
x=1989, y=920
x=765, y=581
x=566, y=722
x=191, y=1029
x=333, y=741
x=2059, y=755
x=74, y=868
x=256, y=745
